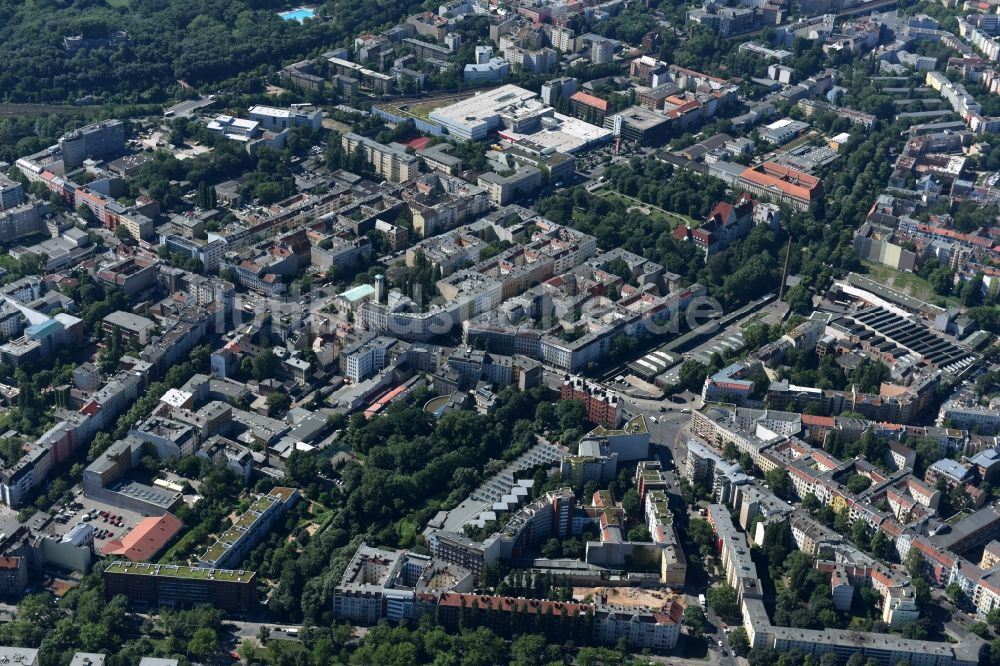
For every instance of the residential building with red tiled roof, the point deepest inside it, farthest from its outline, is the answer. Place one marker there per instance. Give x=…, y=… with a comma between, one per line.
x=589, y=107
x=557, y=620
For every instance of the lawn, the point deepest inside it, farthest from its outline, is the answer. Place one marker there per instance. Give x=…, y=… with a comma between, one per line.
x=407, y=530
x=795, y=143
x=421, y=110
x=424, y=109
x=910, y=284
x=659, y=214
x=181, y=550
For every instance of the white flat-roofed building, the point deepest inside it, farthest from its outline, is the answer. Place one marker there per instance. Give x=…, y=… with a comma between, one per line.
x=275, y=119
x=474, y=118
x=782, y=131
x=563, y=134
x=238, y=129
x=494, y=69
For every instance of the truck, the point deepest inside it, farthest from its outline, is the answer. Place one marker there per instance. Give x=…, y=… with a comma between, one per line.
x=701, y=600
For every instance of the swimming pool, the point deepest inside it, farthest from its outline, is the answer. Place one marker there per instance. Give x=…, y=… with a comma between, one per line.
x=300, y=14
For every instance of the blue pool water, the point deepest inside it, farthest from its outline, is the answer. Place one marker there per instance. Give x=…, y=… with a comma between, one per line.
x=300, y=14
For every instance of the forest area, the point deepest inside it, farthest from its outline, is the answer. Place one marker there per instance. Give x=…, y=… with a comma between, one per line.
x=196, y=41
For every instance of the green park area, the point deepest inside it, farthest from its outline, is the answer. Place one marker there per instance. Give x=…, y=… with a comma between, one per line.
x=656, y=213
x=907, y=283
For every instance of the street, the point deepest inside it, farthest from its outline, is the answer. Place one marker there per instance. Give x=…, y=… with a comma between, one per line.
x=248, y=629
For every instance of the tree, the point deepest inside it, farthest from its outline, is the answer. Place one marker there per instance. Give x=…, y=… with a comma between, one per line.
x=722, y=600
x=640, y=534
x=777, y=537
x=756, y=335
x=122, y=233
x=995, y=652
x=571, y=414
x=799, y=299
x=955, y=593
x=980, y=629
x=632, y=504
x=694, y=620
x=359, y=161
x=203, y=644
x=972, y=291
x=942, y=281
x=881, y=545
x=86, y=214
x=916, y=567
x=265, y=366
x=702, y=534
x=858, y=483
x=730, y=451
x=277, y=402
x=692, y=375
x=739, y=642
x=860, y=532
x=842, y=523
x=811, y=503
x=528, y=650
x=928, y=452
x=545, y=416
x=777, y=479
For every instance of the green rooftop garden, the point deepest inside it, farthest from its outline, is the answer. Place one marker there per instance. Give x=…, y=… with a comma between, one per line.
x=179, y=571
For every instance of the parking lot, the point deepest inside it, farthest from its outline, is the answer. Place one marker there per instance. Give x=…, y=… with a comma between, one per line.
x=111, y=524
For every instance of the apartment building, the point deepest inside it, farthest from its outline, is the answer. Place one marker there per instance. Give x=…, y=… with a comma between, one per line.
x=728, y=385
x=462, y=551
x=208, y=253
x=441, y=202
x=367, y=357
x=969, y=417
x=22, y=220
x=504, y=189
x=384, y=584
x=602, y=406
x=177, y=586
x=660, y=523
x=704, y=466
x=95, y=141
x=393, y=164
x=131, y=328
x=602, y=51
x=555, y=89
x=494, y=69
x=11, y=193
x=249, y=529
